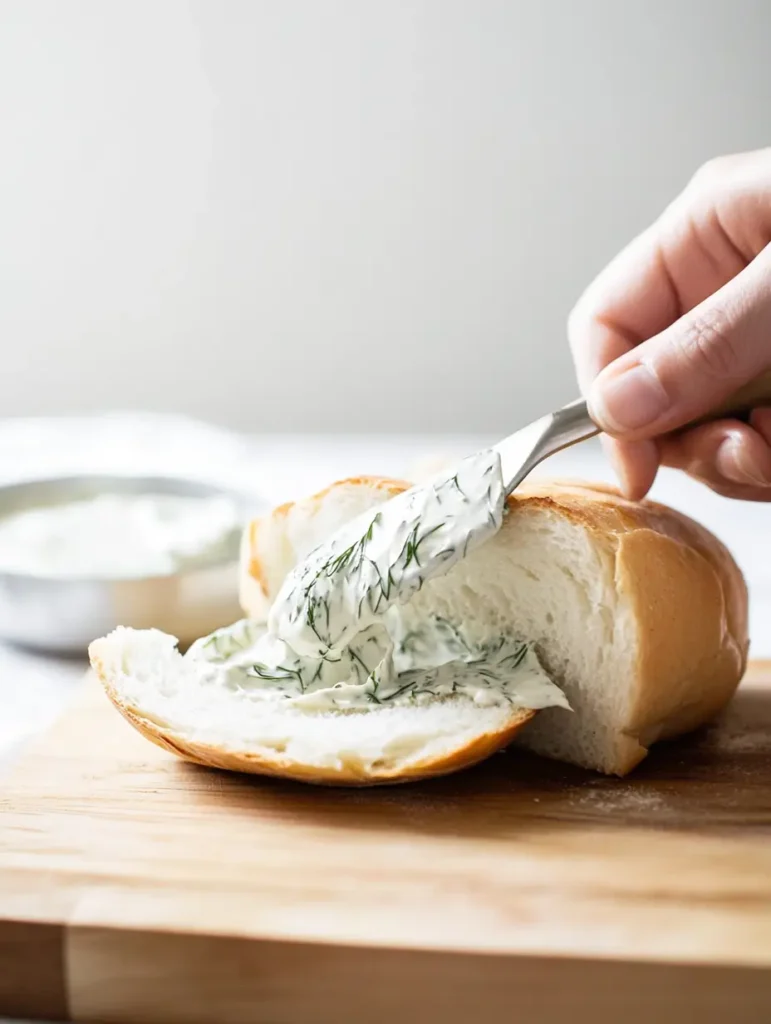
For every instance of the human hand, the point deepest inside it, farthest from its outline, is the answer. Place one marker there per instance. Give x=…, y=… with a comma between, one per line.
x=677, y=323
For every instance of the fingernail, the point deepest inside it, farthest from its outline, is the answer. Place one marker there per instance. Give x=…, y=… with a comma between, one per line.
x=735, y=463
x=628, y=401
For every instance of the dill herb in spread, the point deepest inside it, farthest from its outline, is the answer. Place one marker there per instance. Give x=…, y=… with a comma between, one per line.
x=337, y=639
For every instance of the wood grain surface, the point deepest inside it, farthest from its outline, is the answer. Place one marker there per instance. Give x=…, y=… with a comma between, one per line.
x=134, y=887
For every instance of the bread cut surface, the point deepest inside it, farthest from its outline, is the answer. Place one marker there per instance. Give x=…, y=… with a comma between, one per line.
x=638, y=613
x=163, y=695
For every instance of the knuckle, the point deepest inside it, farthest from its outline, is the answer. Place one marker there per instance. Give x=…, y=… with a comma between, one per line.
x=708, y=345
x=761, y=159
x=722, y=172
x=713, y=172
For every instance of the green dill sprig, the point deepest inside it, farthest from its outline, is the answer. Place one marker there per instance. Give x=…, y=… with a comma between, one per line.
x=276, y=674
x=411, y=685
x=385, y=587
x=455, y=482
x=353, y=555
x=411, y=549
x=515, y=660
x=225, y=643
x=317, y=609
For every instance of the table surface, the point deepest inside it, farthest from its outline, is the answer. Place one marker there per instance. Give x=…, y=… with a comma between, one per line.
x=153, y=890
x=34, y=689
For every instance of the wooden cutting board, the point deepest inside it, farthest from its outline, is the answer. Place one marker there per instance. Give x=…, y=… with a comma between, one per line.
x=134, y=887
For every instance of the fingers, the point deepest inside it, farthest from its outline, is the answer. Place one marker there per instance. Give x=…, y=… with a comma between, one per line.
x=691, y=366
x=635, y=464
x=760, y=420
x=680, y=320
x=631, y=300
x=730, y=457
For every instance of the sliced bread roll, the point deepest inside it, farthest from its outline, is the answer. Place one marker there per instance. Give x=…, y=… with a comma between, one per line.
x=638, y=613
x=166, y=697
x=170, y=699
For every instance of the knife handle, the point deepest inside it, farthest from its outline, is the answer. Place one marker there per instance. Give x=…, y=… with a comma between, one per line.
x=524, y=450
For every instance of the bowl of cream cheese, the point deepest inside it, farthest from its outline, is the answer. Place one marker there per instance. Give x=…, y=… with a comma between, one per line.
x=81, y=555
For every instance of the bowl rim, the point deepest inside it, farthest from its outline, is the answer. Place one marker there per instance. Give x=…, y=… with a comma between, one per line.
x=67, y=486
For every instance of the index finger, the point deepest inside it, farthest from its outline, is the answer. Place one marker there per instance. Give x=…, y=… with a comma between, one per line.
x=632, y=299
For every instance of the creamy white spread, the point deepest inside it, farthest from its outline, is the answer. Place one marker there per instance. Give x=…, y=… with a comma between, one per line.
x=434, y=662
x=381, y=559
x=337, y=638
x=120, y=536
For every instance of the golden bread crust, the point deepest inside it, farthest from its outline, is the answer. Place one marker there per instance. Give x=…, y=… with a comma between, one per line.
x=689, y=599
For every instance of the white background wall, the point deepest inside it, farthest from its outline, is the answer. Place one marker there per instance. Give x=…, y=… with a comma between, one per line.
x=342, y=214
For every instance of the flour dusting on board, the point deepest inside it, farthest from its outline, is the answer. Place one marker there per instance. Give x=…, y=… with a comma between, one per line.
x=633, y=798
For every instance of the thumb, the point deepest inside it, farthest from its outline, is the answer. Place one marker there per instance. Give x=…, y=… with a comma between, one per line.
x=688, y=369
